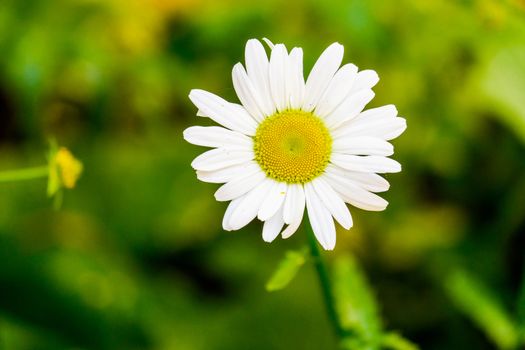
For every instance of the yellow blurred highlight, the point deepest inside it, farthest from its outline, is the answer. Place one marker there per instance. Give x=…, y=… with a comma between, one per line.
x=137, y=25
x=419, y=232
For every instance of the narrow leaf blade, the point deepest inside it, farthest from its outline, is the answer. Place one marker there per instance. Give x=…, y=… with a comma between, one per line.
x=475, y=300
x=286, y=271
x=356, y=303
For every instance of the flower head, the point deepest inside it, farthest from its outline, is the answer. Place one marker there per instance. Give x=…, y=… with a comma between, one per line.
x=292, y=144
x=64, y=170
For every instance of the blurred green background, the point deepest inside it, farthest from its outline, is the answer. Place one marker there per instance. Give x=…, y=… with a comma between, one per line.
x=136, y=257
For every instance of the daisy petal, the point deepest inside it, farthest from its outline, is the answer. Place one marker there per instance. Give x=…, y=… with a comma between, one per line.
x=333, y=202
x=277, y=73
x=386, y=129
x=368, y=181
x=378, y=113
x=366, y=79
x=374, y=164
x=349, y=108
x=295, y=78
x=337, y=90
x=216, y=136
x=355, y=195
x=293, y=209
x=294, y=203
x=269, y=43
x=257, y=67
x=273, y=226
x=376, y=122
x=239, y=185
x=219, y=158
x=321, y=75
x=273, y=201
x=200, y=113
x=234, y=204
x=320, y=218
x=227, y=174
x=363, y=145
x=291, y=229
x=223, y=112
x=246, y=92
x=248, y=207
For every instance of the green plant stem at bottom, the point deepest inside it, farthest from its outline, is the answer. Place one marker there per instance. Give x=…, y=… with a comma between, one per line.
x=326, y=286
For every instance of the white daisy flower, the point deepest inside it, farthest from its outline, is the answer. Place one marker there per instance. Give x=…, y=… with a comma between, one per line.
x=291, y=144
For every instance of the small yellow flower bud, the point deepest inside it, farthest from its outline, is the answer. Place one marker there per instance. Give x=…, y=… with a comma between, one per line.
x=64, y=170
x=69, y=167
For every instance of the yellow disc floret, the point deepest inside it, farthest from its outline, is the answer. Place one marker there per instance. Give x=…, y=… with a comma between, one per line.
x=292, y=146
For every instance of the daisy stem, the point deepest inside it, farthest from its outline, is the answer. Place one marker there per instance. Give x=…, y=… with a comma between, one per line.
x=24, y=174
x=324, y=280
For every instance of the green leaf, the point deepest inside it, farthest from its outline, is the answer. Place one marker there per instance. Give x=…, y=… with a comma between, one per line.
x=353, y=343
x=394, y=341
x=356, y=304
x=475, y=300
x=286, y=271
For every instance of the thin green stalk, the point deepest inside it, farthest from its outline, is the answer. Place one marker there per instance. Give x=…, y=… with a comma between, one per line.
x=24, y=174
x=326, y=286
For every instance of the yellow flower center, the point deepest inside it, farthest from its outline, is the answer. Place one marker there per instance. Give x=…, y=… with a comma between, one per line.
x=292, y=146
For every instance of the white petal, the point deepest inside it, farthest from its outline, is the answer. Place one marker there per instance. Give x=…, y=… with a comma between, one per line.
x=386, y=129
x=387, y=111
x=234, y=204
x=366, y=79
x=337, y=90
x=320, y=219
x=278, y=61
x=289, y=203
x=269, y=43
x=219, y=158
x=376, y=122
x=356, y=195
x=200, y=113
x=333, y=202
x=216, y=136
x=273, y=201
x=273, y=226
x=321, y=75
x=363, y=145
x=257, y=67
x=239, y=185
x=292, y=228
x=228, y=114
x=294, y=203
x=227, y=174
x=373, y=164
x=247, y=93
x=368, y=181
x=293, y=209
x=349, y=108
x=295, y=78
x=249, y=206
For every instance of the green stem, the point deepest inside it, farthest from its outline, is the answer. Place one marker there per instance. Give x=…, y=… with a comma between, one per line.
x=326, y=286
x=24, y=174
